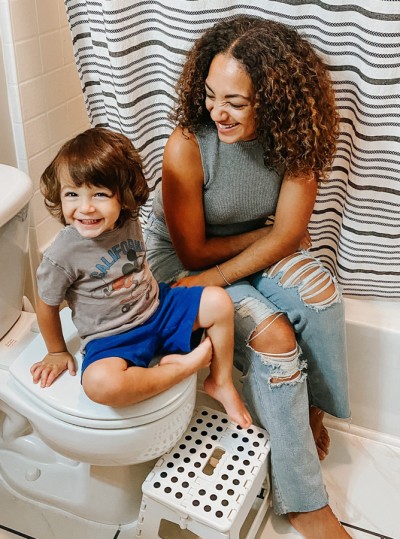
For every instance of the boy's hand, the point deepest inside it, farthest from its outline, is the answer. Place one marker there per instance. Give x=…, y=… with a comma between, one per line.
x=51, y=366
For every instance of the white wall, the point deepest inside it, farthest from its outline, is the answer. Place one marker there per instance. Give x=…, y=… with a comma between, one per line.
x=45, y=101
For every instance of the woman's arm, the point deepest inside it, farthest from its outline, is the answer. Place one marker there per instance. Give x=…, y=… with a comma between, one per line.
x=243, y=254
x=295, y=206
x=182, y=187
x=294, y=209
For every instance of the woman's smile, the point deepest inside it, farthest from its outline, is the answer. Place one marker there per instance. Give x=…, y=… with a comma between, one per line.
x=229, y=100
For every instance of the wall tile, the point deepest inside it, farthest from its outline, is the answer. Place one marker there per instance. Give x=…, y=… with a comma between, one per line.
x=78, y=115
x=59, y=124
x=46, y=232
x=67, y=48
x=73, y=88
x=37, y=135
x=44, y=94
x=55, y=88
x=62, y=14
x=32, y=102
x=51, y=51
x=28, y=59
x=24, y=19
x=37, y=164
x=38, y=209
x=48, y=15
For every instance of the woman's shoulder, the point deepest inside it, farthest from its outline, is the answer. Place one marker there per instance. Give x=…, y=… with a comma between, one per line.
x=181, y=145
x=181, y=136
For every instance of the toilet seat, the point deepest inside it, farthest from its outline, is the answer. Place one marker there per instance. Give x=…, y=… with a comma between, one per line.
x=66, y=400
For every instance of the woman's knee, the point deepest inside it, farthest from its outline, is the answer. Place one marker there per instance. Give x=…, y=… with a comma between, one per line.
x=274, y=335
x=275, y=342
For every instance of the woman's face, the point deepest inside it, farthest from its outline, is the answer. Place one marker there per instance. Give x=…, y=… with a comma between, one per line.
x=230, y=100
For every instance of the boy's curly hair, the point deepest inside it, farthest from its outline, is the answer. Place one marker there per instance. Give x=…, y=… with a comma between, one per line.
x=294, y=103
x=102, y=158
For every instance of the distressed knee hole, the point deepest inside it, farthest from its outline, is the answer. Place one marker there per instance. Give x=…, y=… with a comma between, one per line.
x=273, y=335
x=285, y=368
x=282, y=379
x=315, y=284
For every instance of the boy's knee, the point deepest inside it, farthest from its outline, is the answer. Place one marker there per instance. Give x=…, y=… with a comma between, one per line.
x=98, y=385
x=219, y=301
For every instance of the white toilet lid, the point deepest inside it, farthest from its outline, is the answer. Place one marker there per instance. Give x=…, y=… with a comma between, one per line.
x=66, y=400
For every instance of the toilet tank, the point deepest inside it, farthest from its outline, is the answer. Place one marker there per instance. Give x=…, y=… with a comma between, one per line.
x=16, y=192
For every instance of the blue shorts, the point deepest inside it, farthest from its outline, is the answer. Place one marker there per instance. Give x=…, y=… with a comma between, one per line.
x=167, y=331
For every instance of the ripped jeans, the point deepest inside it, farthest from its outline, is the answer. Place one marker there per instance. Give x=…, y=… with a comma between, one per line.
x=279, y=386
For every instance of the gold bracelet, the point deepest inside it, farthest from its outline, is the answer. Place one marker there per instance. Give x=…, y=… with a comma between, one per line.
x=222, y=275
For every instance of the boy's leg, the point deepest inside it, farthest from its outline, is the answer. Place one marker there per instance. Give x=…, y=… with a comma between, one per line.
x=216, y=313
x=114, y=382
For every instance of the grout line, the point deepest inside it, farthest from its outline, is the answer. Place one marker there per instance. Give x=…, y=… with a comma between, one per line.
x=379, y=535
x=16, y=533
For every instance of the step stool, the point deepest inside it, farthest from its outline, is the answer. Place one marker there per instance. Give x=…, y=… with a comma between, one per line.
x=209, y=481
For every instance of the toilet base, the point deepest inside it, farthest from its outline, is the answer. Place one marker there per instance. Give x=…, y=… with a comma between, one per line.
x=41, y=521
x=108, y=495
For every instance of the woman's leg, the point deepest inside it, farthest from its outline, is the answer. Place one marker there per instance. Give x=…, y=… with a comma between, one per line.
x=275, y=390
x=297, y=484
x=310, y=297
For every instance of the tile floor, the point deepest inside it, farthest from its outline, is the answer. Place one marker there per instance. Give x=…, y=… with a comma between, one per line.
x=362, y=477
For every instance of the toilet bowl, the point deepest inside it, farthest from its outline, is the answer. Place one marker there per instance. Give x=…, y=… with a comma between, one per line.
x=57, y=447
x=60, y=448
x=76, y=427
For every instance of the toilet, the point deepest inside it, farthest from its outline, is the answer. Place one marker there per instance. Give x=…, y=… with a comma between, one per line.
x=57, y=447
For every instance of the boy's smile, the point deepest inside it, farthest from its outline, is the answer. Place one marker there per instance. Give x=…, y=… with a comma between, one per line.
x=90, y=209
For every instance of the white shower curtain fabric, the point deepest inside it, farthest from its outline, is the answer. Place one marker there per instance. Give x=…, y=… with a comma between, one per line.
x=129, y=55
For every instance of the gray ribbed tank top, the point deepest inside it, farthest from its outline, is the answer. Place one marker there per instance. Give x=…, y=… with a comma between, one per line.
x=240, y=192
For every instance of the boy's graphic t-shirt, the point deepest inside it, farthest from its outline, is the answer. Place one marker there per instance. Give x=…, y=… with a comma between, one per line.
x=105, y=280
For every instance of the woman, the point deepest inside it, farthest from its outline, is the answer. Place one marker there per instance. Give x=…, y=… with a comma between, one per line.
x=256, y=131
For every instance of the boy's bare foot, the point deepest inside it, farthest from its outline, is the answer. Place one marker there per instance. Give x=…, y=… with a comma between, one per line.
x=228, y=396
x=320, y=524
x=195, y=360
x=320, y=433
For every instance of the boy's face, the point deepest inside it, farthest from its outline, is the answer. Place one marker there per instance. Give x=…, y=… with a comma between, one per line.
x=91, y=210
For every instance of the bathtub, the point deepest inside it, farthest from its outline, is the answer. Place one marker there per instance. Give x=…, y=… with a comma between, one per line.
x=373, y=344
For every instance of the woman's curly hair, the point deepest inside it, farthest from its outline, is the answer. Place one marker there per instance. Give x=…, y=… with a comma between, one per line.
x=294, y=103
x=101, y=158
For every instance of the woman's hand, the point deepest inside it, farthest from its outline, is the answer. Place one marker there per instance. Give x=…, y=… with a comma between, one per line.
x=51, y=366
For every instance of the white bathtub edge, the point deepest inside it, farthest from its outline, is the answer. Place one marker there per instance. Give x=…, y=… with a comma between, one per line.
x=369, y=434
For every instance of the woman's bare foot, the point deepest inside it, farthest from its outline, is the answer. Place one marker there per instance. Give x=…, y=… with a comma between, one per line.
x=320, y=433
x=228, y=396
x=320, y=524
x=195, y=360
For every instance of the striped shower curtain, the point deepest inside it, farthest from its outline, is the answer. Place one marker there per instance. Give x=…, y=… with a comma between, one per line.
x=129, y=54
